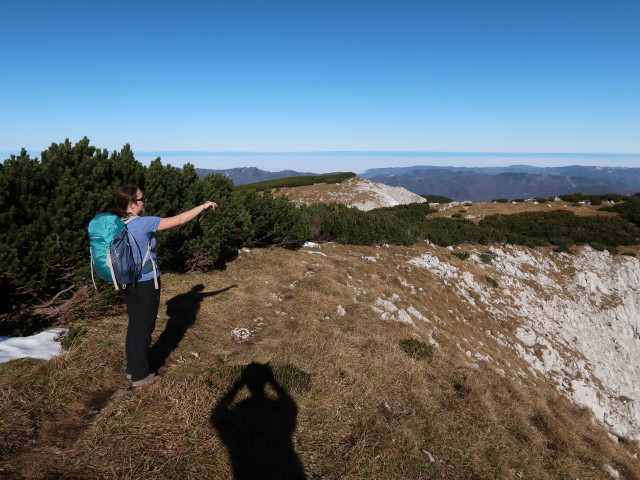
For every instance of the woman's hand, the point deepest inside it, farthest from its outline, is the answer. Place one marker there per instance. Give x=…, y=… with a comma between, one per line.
x=209, y=206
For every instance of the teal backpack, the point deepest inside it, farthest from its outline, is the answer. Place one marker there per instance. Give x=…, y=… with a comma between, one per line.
x=112, y=250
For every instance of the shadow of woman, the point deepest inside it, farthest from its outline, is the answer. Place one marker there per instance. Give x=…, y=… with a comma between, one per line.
x=182, y=311
x=257, y=431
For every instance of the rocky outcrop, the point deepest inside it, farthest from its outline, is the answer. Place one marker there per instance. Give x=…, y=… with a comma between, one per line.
x=577, y=317
x=355, y=192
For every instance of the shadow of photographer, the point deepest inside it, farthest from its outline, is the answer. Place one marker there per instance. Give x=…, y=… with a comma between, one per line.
x=257, y=431
x=182, y=311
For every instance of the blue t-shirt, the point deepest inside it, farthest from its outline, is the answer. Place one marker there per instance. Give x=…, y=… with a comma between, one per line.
x=143, y=229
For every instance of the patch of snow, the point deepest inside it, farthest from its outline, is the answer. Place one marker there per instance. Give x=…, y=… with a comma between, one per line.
x=41, y=346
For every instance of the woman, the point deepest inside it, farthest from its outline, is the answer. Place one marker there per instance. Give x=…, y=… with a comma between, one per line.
x=143, y=297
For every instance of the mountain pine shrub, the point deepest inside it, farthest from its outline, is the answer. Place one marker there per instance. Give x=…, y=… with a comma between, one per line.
x=486, y=257
x=491, y=281
x=629, y=209
x=47, y=204
x=416, y=349
x=349, y=225
x=276, y=221
x=564, y=226
x=437, y=199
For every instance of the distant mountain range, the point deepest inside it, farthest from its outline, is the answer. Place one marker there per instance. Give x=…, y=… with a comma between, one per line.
x=479, y=184
x=244, y=175
x=484, y=184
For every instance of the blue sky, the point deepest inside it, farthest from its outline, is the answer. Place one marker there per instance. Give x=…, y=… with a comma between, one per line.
x=255, y=76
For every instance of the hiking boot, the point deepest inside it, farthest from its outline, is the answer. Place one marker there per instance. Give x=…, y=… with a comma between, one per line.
x=148, y=380
x=127, y=375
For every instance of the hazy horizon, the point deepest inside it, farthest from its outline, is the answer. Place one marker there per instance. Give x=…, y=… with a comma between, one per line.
x=360, y=161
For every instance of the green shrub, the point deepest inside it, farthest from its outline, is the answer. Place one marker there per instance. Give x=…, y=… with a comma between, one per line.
x=542, y=199
x=461, y=255
x=450, y=231
x=563, y=249
x=491, y=282
x=336, y=222
x=72, y=335
x=563, y=227
x=486, y=257
x=276, y=221
x=47, y=204
x=301, y=181
x=561, y=241
x=630, y=254
x=593, y=199
x=411, y=213
x=416, y=349
x=597, y=246
x=629, y=210
x=572, y=197
x=437, y=199
x=500, y=200
x=518, y=200
x=456, y=215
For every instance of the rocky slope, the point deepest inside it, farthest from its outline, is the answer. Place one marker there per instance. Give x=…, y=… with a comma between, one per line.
x=576, y=321
x=578, y=315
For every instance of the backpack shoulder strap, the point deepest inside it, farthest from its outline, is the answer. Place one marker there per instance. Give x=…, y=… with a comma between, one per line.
x=147, y=256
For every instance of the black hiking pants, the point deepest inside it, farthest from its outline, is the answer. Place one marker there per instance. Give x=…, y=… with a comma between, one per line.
x=142, y=300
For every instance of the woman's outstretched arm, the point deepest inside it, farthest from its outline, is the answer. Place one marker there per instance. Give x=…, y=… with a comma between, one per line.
x=184, y=217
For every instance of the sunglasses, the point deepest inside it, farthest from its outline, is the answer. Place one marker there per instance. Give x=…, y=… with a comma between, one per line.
x=141, y=199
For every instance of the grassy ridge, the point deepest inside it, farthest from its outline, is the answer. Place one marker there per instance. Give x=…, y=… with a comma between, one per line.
x=360, y=397
x=295, y=182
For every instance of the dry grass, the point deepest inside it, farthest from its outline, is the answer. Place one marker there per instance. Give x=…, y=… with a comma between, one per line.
x=365, y=408
x=477, y=211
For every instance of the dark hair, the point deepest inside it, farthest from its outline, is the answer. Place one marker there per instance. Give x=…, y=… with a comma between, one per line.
x=122, y=198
